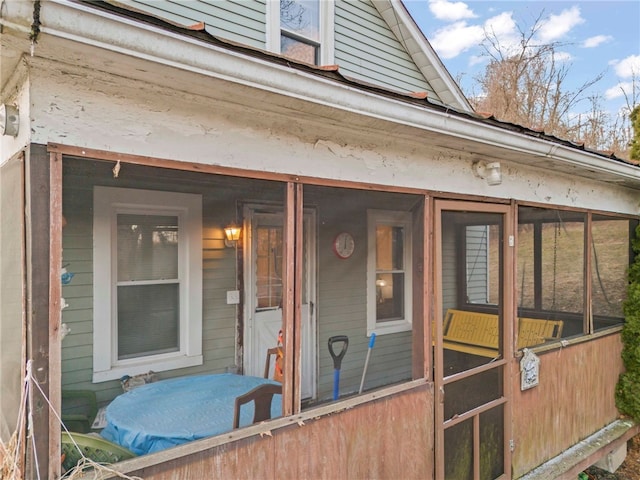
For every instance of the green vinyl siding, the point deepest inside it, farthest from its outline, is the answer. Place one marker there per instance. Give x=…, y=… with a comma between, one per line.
x=241, y=21
x=366, y=49
x=341, y=307
x=342, y=301
x=219, y=324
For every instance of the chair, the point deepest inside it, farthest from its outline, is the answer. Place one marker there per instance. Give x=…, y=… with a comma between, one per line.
x=277, y=369
x=262, y=397
x=79, y=409
x=93, y=447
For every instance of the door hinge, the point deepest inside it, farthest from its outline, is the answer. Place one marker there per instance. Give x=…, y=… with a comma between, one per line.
x=512, y=241
x=512, y=445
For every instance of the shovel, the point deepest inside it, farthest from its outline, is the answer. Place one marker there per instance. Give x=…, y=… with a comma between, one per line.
x=372, y=342
x=337, y=360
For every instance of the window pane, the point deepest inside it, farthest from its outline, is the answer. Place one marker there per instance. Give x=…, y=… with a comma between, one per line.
x=610, y=261
x=389, y=281
x=458, y=451
x=389, y=248
x=301, y=17
x=147, y=247
x=491, y=443
x=525, y=277
x=562, y=265
x=303, y=51
x=482, y=263
x=390, y=296
x=269, y=266
x=148, y=320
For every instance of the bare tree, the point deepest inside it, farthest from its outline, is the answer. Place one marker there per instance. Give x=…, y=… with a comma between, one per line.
x=635, y=141
x=526, y=84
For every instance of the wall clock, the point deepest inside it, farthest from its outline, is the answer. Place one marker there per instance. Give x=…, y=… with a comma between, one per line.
x=343, y=245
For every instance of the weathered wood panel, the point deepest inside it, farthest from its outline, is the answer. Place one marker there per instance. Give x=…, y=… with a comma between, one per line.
x=388, y=438
x=574, y=399
x=38, y=188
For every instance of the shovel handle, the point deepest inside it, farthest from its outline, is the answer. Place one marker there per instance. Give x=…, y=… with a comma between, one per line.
x=337, y=358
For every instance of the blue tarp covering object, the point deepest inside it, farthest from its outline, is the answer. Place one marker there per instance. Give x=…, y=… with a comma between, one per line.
x=164, y=414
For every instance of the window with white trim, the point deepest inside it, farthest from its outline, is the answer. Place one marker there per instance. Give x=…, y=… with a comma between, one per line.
x=147, y=289
x=301, y=29
x=388, y=272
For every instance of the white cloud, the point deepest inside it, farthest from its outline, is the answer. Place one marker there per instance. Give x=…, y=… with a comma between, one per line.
x=503, y=29
x=476, y=60
x=562, y=57
x=557, y=26
x=618, y=91
x=597, y=40
x=450, y=11
x=452, y=40
x=627, y=67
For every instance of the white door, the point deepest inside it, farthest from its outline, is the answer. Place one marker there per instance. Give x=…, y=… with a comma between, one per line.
x=263, y=290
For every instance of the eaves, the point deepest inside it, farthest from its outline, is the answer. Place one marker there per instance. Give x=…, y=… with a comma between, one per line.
x=191, y=48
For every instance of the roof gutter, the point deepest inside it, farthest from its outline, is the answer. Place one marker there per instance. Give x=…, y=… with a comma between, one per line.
x=91, y=26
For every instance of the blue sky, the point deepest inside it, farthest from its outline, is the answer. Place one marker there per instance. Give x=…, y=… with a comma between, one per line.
x=593, y=36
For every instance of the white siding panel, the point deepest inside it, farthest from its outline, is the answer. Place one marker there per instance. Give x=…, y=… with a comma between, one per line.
x=367, y=49
x=237, y=20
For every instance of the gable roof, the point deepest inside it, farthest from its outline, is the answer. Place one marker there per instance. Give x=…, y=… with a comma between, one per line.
x=404, y=27
x=206, y=17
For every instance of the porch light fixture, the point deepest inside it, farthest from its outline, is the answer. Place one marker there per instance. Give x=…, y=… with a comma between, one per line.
x=232, y=235
x=9, y=120
x=488, y=171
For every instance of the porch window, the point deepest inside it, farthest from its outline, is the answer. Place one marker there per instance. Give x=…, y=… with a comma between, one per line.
x=389, y=272
x=552, y=251
x=148, y=281
x=611, y=256
x=551, y=267
x=302, y=30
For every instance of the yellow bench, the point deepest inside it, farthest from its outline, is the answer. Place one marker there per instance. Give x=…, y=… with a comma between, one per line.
x=532, y=331
x=478, y=333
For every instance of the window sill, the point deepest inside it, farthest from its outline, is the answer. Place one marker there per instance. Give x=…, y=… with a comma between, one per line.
x=386, y=328
x=572, y=341
x=144, y=366
x=261, y=429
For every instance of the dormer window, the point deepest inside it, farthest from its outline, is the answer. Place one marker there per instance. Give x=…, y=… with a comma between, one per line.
x=302, y=30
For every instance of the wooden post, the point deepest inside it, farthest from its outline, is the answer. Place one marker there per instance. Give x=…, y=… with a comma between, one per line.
x=37, y=248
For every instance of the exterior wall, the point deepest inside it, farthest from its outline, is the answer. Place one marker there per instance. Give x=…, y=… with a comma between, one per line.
x=240, y=21
x=367, y=49
x=573, y=400
x=346, y=444
x=96, y=110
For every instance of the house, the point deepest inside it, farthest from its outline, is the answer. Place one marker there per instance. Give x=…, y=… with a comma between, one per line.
x=488, y=259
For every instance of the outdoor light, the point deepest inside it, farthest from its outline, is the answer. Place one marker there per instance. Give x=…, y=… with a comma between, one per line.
x=489, y=171
x=9, y=120
x=232, y=235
